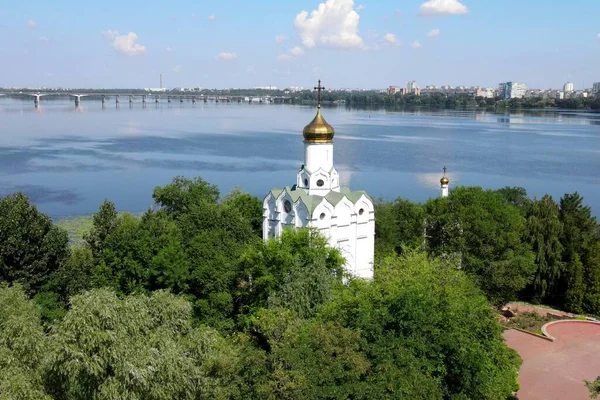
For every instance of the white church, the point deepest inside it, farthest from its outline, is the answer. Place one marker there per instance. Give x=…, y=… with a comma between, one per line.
x=345, y=217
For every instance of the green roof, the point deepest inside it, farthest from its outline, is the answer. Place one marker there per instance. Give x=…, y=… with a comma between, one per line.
x=311, y=201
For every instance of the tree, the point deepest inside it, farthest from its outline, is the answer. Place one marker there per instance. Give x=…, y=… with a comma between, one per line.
x=576, y=289
x=488, y=237
x=139, y=347
x=104, y=222
x=544, y=231
x=250, y=207
x=427, y=332
x=31, y=247
x=178, y=196
x=516, y=196
x=22, y=347
x=274, y=270
x=591, y=300
x=593, y=387
x=400, y=224
x=578, y=240
x=309, y=359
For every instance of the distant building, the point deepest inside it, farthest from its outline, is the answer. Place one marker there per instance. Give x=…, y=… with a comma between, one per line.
x=511, y=90
x=411, y=86
x=596, y=88
x=568, y=87
x=487, y=93
x=393, y=90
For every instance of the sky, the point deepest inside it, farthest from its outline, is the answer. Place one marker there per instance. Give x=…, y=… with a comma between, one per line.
x=346, y=43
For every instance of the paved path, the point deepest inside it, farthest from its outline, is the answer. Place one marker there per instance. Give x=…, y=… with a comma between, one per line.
x=556, y=370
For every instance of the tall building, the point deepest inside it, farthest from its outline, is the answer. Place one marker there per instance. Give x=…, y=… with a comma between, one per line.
x=411, y=86
x=596, y=88
x=511, y=90
x=346, y=218
x=568, y=87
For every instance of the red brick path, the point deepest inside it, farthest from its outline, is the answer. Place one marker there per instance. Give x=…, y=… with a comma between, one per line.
x=556, y=370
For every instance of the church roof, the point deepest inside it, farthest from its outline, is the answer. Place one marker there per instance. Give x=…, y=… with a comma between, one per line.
x=311, y=201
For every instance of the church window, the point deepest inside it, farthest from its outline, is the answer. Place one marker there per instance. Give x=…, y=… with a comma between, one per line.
x=305, y=182
x=320, y=183
x=287, y=206
x=361, y=211
x=322, y=216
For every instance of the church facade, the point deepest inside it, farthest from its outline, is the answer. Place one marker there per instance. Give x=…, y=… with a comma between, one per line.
x=345, y=217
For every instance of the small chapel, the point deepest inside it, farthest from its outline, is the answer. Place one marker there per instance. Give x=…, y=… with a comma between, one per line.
x=345, y=217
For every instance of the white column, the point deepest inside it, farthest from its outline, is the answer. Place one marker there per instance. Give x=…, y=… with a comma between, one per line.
x=444, y=190
x=318, y=155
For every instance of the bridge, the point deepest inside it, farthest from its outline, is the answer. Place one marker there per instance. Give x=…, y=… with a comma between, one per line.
x=148, y=97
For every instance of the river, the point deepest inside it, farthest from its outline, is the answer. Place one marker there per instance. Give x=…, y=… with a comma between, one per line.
x=69, y=160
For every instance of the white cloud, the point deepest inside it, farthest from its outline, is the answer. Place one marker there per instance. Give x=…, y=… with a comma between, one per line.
x=31, y=23
x=110, y=34
x=177, y=69
x=296, y=51
x=442, y=7
x=125, y=44
x=194, y=16
x=434, y=33
x=391, y=39
x=211, y=17
x=281, y=38
x=291, y=53
x=599, y=36
x=334, y=24
x=360, y=7
x=227, y=56
x=169, y=49
x=44, y=39
x=416, y=45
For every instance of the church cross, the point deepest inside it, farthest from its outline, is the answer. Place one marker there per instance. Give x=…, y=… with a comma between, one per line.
x=444, y=170
x=319, y=88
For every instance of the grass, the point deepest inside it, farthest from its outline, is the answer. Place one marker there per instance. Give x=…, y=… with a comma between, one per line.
x=530, y=321
x=76, y=227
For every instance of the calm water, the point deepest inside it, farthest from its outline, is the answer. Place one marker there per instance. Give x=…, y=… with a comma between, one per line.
x=68, y=160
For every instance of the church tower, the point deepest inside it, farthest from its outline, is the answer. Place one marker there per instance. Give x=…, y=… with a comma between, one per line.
x=318, y=175
x=346, y=218
x=445, y=182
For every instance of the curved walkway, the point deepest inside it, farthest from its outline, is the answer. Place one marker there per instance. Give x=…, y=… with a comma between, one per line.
x=556, y=370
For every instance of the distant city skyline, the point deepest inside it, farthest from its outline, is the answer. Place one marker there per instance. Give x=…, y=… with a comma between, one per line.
x=348, y=44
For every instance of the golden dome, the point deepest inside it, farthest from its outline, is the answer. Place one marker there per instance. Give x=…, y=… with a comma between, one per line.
x=318, y=131
x=444, y=181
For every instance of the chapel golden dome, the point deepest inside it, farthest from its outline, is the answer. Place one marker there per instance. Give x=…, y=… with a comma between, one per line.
x=444, y=180
x=318, y=131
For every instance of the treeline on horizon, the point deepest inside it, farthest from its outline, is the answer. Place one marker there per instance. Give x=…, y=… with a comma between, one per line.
x=375, y=98
x=186, y=301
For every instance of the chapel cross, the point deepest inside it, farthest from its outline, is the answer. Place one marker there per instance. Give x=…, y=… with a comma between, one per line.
x=318, y=89
x=444, y=170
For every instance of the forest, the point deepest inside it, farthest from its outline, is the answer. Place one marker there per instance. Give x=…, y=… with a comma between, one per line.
x=186, y=301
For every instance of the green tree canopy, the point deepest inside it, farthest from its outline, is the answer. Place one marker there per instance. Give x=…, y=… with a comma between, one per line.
x=31, y=247
x=22, y=347
x=487, y=235
x=544, y=231
x=427, y=331
x=399, y=224
x=178, y=196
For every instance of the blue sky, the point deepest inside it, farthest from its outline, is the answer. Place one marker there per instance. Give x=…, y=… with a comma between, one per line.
x=346, y=43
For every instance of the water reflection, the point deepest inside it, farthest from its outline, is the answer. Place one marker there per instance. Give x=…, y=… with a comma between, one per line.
x=69, y=159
